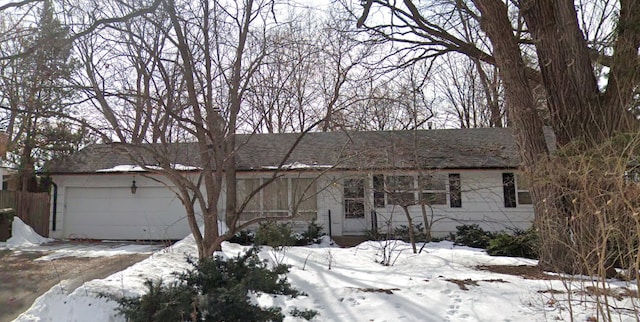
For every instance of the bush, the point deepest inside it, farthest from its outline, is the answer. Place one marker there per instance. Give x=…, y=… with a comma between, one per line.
x=472, y=236
x=307, y=314
x=214, y=290
x=244, y=237
x=374, y=234
x=278, y=235
x=275, y=235
x=520, y=244
x=402, y=233
x=313, y=234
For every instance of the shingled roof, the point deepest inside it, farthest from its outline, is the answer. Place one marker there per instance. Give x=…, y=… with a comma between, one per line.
x=425, y=149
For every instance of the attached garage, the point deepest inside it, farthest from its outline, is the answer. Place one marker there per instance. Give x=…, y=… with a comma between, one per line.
x=153, y=213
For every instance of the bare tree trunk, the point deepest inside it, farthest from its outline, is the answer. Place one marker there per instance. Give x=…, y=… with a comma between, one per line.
x=526, y=124
x=576, y=106
x=412, y=238
x=427, y=222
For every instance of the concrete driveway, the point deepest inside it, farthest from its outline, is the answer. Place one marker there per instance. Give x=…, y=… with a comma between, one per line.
x=24, y=275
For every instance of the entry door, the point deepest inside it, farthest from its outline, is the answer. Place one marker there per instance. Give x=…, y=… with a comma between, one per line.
x=354, y=207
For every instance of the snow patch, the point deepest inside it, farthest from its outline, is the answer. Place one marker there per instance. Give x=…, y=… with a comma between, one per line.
x=23, y=235
x=297, y=166
x=137, y=168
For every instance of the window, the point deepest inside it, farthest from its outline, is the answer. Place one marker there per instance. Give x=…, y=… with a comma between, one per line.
x=509, y=189
x=354, y=198
x=400, y=190
x=281, y=197
x=305, y=201
x=244, y=188
x=455, y=190
x=433, y=189
x=522, y=186
x=276, y=197
x=516, y=190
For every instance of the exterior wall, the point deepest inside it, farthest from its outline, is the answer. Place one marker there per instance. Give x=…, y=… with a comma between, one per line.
x=330, y=205
x=482, y=203
x=106, y=201
x=326, y=197
x=160, y=218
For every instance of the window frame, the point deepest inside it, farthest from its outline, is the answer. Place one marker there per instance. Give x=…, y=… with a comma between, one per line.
x=398, y=189
x=290, y=194
x=418, y=189
x=427, y=189
x=512, y=192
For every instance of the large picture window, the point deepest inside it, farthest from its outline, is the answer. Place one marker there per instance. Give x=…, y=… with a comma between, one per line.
x=378, y=190
x=305, y=200
x=276, y=197
x=282, y=197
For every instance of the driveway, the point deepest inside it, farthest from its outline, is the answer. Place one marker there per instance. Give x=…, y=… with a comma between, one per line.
x=27, y=273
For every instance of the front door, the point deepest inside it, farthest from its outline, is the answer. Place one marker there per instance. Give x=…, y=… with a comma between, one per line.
x=355, y=222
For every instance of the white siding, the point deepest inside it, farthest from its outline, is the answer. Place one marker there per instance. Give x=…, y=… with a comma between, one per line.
x=482, y=204
x=102, y=206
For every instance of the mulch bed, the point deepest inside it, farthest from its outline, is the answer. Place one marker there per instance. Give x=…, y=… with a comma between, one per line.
x=524, y=271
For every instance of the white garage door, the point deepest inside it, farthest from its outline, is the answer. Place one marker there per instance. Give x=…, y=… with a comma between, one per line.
x=116, y=213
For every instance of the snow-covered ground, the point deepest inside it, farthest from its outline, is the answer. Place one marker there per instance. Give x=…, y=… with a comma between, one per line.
x=347, y=284
x=25, y=239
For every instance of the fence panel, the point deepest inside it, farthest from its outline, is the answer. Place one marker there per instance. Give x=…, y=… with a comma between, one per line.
x=32, y=208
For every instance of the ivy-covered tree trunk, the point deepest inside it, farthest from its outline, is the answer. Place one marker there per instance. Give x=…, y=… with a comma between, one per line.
x=578, y=109
x=527, y=127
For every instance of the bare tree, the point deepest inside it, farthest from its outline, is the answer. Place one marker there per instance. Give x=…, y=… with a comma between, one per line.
x=282, y=95
x=471, y=94
x=183, y=76
x=84, y=17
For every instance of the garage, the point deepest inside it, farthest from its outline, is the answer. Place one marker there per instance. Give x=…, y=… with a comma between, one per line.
x=153, y=213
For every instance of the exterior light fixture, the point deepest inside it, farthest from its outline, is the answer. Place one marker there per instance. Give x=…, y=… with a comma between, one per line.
x=134, y=188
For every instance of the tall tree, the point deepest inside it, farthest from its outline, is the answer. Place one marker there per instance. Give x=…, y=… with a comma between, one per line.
x=579, y=108
x=86, y=16
x=185, y=73
x=35, y=91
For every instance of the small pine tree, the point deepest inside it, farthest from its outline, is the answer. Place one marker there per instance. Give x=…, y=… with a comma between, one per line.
x=214, y=290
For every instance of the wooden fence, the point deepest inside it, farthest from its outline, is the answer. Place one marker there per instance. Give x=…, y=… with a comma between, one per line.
x=32, y=208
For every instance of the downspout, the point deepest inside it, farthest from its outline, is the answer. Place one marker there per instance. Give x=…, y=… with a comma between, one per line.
x=330, y=234
x=54, y=209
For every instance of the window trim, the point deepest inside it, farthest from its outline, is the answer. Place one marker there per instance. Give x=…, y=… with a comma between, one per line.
x=290, y=195
x=442, y=178
x=417, y=189
x=511, y=192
